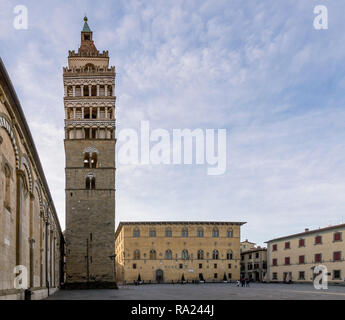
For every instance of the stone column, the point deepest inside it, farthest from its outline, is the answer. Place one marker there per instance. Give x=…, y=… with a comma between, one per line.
x=98, y=112
x=89, y=90
x=65, y=91
x=73, y=91
x=98, y=90
x=74, y=113
x=31, y=241
x=82, y=90
x=106, y=112
x=82, y=112
x=113, y=89
x=106, y=90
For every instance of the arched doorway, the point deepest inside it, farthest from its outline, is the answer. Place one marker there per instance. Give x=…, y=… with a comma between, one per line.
x=159, y=276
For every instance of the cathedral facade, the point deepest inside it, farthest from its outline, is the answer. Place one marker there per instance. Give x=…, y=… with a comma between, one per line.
x=31, y=241
x=89, y=101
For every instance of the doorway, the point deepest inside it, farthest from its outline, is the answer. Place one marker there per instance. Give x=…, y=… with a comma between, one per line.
x=159, y=276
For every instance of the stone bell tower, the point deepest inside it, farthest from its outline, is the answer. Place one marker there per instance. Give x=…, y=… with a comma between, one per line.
x=89, y=102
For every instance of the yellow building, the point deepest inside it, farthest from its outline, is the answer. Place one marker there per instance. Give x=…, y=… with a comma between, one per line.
x=247, y=245
x=177, y=251
x=294, y=257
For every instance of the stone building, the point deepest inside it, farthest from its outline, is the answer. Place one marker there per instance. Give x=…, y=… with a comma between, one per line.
x=247, y=245
x=173, y=251
x=30, y=233
x=294, y=257
x=89, y=101
x=254, y=264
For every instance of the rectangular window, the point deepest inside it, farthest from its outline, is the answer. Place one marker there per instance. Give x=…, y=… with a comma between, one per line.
x=257, y=255
x=181, y=266
x=318, y=240
x=216, y=275
x=287, y=245
x=274, y=262
x=337, y=236
x=215, y=265
x=287, y=260
x=275, y=247
x=229, y=265
x=301, y=243
x=274, y=276
x=336, y=274
x=318, y=257
x=337, y=256
x=229, y=276
x=134, y=265
x=301, y=275
x=301, y=260
x=200, y=265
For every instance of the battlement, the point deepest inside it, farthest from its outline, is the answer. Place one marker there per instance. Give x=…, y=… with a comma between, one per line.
x=104, y=54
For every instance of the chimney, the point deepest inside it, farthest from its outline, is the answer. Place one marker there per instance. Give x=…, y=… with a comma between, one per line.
x=306, y=229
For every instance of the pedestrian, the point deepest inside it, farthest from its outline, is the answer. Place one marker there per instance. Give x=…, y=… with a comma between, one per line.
x=247, y=282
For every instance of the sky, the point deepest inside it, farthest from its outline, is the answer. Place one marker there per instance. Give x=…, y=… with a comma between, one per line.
x=258, y=69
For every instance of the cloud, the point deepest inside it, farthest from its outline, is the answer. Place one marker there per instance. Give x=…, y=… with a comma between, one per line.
x=258, y=69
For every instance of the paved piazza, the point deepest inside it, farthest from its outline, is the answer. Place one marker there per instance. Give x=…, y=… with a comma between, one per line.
x=216, y=291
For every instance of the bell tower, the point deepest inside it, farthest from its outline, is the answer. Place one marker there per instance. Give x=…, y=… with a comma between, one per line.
x=89, y=101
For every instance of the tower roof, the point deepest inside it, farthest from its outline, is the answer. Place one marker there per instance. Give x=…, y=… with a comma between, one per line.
x=86, y=27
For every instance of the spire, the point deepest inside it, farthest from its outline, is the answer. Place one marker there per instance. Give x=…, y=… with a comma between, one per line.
x=87, y=46
x=86, y=26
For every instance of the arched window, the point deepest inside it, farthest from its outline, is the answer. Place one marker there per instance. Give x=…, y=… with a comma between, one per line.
x=215, y=232
x=90, y=182
x=200, y=254
x=152, y=255
x=200, y=233
x=184, y=232
x=90, y=156
x=168, y=255
x=229, y=255
x=184, y=254
x=215, y=255
x=168, y=232
x=229, y=233
x=136, y=233
x=136, y=255
x=152, y=232
x=90, y=66
x=7, y=187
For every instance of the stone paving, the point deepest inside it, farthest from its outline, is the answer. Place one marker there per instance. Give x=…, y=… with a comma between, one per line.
x=215, y=291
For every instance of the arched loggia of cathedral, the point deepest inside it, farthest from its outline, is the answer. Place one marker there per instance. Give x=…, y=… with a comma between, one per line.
x=31, y=239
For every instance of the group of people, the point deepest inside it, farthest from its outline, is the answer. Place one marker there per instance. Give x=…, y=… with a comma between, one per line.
x=244, y=282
